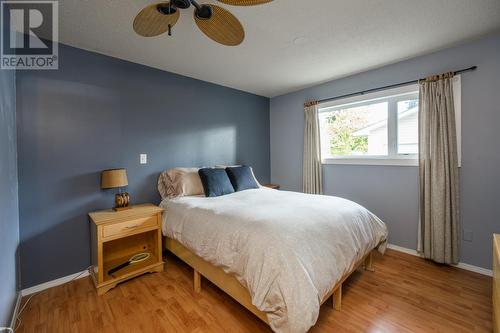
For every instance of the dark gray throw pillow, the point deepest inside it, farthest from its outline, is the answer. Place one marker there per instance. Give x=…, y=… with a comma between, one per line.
x=242, y=178
x=215, y=182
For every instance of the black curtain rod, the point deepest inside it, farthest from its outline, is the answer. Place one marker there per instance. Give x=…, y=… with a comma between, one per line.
x=473, y=68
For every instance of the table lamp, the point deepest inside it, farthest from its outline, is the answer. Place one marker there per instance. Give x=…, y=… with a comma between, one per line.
x=116, y=178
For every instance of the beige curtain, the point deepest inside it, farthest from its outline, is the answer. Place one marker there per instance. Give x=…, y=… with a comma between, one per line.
x=311, y=181
x=439, y=179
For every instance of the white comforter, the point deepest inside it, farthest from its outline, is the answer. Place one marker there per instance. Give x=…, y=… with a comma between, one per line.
x=288, y=249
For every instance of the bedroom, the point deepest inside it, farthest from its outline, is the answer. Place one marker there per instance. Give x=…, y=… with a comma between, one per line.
x=303, y=120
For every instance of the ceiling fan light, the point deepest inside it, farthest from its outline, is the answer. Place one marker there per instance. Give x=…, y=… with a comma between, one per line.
x=205, y=12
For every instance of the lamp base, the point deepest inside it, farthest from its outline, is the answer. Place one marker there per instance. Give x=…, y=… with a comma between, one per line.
x=122, y=202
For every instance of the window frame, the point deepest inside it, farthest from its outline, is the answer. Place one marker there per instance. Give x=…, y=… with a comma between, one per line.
x=392, y=96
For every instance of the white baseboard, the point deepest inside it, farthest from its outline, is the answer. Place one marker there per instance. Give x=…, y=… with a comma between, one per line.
x=461, y=265
x=54, y=283
x=403, y=249
x=476, y=269
x=16, y=310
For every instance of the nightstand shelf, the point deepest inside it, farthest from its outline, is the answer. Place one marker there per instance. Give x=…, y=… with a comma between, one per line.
x=117, y=236
x=152, y=261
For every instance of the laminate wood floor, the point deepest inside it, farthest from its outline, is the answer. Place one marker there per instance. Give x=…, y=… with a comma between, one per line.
x=404, y=294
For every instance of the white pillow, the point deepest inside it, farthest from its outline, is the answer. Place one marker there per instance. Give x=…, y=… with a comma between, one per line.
x=179, y=182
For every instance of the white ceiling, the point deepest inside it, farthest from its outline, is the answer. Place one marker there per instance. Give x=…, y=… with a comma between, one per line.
x=334, y=38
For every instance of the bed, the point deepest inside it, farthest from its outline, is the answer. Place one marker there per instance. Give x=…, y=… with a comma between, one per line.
x=279, y=254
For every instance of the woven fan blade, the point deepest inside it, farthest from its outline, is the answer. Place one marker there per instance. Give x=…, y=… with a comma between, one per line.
x=223, y=27
x=151, y=22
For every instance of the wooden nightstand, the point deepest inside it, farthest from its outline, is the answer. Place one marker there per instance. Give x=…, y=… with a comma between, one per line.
x=273, y=186
x=117, y=236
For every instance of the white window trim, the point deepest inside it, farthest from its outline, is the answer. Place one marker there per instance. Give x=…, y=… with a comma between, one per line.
x=394, y=160
x=376, y=160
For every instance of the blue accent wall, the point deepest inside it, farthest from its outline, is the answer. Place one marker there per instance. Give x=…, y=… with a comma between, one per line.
x=98, y=112
x=391, y=192
x=9, y=217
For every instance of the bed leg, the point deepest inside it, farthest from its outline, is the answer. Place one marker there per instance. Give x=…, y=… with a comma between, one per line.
x=369, y=263
x=337, y=298
x=197, y=282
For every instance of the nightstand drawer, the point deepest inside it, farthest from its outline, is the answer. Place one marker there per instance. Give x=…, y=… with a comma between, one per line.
x=128, y=226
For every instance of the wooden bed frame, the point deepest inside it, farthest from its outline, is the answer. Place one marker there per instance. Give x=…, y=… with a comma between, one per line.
x=232, y=286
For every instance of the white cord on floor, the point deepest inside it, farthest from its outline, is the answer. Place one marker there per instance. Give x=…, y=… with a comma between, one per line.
x=18, y=319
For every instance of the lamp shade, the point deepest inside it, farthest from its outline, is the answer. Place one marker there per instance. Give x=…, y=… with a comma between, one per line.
x=114, y=178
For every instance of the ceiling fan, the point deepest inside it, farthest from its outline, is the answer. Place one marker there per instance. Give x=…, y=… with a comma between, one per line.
x=214, y=21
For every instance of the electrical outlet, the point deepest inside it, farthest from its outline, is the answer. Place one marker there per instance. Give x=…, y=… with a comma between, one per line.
x=144, y=158
x=468, y=235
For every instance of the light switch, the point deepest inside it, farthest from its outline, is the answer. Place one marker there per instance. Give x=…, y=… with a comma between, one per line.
x=144, y=158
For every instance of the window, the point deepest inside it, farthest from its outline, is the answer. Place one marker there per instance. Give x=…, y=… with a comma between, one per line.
x=408, y=126
x=379, y=128
x=358, y=129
